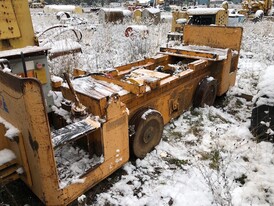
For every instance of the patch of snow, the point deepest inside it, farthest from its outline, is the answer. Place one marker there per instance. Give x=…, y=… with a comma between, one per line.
x=56, y=78
x=63, y=113
x=204, y=11
x=57, y=97
x=6, y=155
x=210, y=79
x=78, y=181
x=153, y=10
x=265, y=96
x=138, y=28
x=222, y=53
x=12, y=131
x=20, y=170
x=82, y=198
x=127, y=13
x=87, y=85
x=181, y=21
x=148, y=112
x=72, y=163
x=57, y=8
x=259, y=13
x=63, y=45
x=6, y=70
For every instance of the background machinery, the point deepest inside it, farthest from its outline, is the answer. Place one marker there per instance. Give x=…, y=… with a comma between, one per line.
x=36, y=3
x=197, y=16
x=256, y=9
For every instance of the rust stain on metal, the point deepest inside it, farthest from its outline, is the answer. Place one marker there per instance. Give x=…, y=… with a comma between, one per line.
x=34, y=144
x=116, y=123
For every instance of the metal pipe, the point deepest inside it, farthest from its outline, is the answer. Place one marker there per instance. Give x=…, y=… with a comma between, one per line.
x=77, y=101
x=24, y=65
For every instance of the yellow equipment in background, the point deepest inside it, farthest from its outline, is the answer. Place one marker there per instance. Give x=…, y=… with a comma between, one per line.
x=36, y=3
x=16, y=30
x=250, y=7
x=199, y=16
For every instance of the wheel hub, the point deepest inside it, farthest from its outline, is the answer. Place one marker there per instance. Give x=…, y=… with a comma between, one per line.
x=148, y=135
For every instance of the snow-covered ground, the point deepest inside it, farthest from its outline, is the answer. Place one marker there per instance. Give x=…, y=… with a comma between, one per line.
x=207, y=156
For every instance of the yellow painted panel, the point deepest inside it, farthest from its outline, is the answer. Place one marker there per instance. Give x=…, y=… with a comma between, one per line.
x=8, y=23
x=213, y=36
x=41, y=75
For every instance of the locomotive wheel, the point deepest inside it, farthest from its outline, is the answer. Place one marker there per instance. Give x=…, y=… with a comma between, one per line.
x=205, y=93
x=148, y=127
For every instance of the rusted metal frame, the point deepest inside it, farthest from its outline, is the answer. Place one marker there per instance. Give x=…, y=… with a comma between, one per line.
x=4, y=143
x=91, y=93
x=106, y=86
x=8, y=172
x=165, y=88
x=17, y=146
x=172, y=78
x=166, y=82
x=27, y=51
x=149, y=64
x=111, y=161
x=4, y=173
x=151, y=73
x=189, y=54
x=144, y=75
x=135, y=89
x=12, y=177
x=24, y=160
x=63, y=53
x=7, y=164
x=66, y=135
x=34, y=152
x=227, y=78
x=39, y=146
x=95, y=104
x=125, y=69
x=199, y=64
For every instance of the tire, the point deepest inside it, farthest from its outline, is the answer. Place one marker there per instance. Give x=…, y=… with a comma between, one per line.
x=262, y=119
x=205, y=93
x=146, y=130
